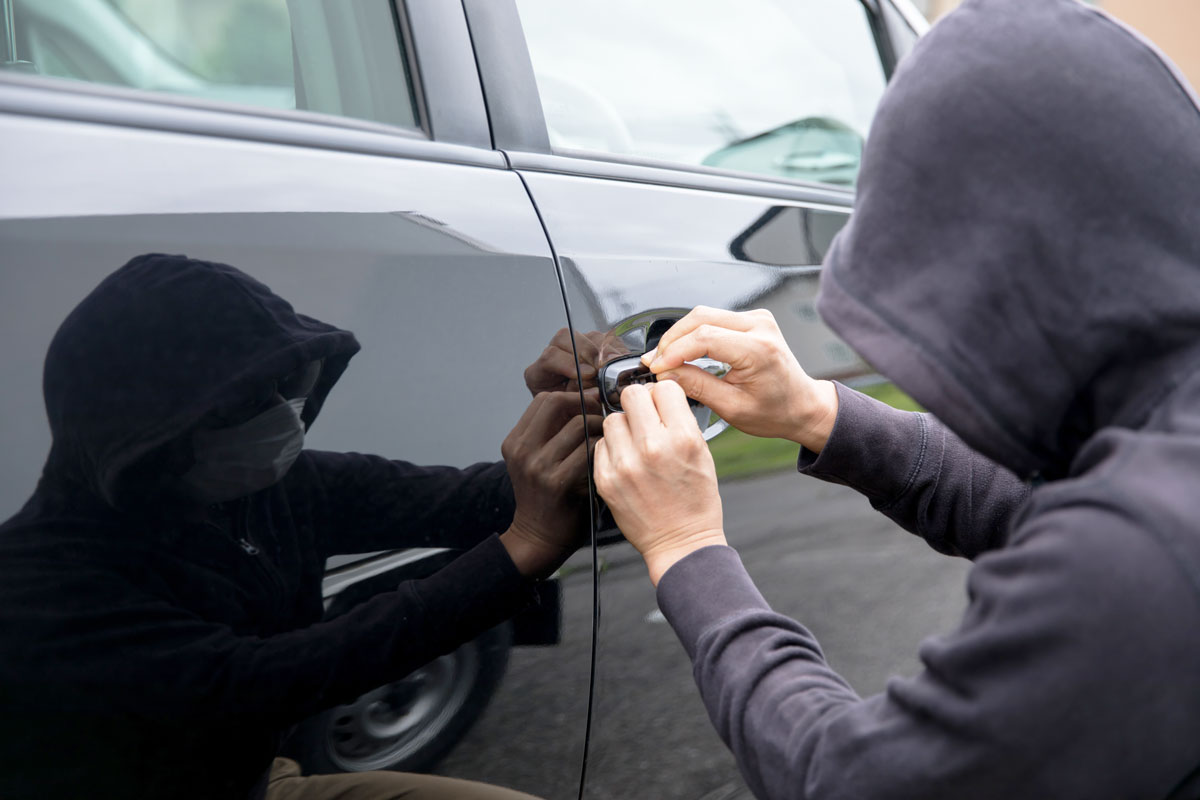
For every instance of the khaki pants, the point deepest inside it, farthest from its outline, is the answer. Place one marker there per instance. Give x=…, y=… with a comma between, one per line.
x=287, y=783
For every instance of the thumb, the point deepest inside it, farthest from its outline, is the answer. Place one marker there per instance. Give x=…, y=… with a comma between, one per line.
x=704, y=388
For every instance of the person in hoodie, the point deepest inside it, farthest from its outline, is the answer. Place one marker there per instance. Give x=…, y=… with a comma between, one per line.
x=1024, y=260
x=160, y=607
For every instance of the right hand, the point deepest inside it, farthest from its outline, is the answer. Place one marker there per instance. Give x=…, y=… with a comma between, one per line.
x=766, y=392
x=656, y=474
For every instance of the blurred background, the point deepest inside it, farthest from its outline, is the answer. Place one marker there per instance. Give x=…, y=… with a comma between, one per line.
x=1171, y=24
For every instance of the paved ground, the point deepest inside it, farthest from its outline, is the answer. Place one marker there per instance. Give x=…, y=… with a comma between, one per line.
x=868, y=590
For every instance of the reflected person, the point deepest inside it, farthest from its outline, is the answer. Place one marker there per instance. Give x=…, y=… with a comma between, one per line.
x=557, y=368
x=1023, y=260
x=160, y=611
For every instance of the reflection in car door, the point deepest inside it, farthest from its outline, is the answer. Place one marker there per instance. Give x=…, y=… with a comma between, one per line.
x=431, y=253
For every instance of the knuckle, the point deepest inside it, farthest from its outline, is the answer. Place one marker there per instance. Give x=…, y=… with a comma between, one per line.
x=625, y=472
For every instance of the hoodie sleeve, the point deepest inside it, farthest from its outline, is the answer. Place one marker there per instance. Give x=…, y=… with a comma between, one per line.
x=1061, y=655
x=919, y=474
x=361, y=503
x=101, y=644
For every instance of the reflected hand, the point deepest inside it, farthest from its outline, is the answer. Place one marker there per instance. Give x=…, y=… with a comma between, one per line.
x=554, y=370
x=546, y=457
x=654, y=470
x=765, y=393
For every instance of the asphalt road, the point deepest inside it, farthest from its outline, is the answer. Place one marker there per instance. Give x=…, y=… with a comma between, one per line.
x=870, y=592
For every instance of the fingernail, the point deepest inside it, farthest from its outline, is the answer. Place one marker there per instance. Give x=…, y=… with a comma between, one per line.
x=649, y=356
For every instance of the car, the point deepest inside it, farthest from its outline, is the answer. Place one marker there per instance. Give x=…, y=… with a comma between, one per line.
x=460, y=184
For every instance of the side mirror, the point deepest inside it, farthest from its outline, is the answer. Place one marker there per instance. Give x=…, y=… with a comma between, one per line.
x=628, y=370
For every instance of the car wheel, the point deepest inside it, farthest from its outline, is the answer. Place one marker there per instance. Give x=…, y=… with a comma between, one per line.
x=409, y=724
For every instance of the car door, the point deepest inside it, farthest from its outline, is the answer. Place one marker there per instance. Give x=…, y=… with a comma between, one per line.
x=685, y=153
x=341, y=154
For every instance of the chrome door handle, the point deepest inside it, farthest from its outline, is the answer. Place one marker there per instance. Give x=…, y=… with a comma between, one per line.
x=628, y=370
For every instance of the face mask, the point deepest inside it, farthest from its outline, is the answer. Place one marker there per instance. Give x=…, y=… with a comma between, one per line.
x=243, y=459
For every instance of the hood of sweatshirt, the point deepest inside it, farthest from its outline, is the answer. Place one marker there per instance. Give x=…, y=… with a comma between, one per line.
x=156, y=346
x=1024, y=256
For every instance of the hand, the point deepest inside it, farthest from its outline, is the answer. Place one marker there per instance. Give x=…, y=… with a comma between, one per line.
x=654, y=470
x=546, y=457
x=765, y=393
x=554, y=370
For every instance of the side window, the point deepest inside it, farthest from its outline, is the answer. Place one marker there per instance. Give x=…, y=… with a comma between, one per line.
x=340, y=58
x=776, y=87
x=901, y=33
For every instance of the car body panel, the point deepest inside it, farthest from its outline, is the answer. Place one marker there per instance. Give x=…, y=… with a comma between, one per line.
x=639, y=239
x=659, y=251
x=375, y=230
x=454, y=245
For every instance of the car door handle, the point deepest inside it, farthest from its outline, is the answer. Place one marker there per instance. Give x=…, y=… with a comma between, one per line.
x=629, y=369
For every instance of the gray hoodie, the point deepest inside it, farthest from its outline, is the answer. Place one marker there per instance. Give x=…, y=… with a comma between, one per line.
x=1025, y=261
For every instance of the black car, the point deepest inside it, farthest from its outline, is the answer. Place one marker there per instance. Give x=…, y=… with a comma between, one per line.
x=460, y=184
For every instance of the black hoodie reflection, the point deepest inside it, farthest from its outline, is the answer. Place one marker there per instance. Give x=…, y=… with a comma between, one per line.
x=153, y=647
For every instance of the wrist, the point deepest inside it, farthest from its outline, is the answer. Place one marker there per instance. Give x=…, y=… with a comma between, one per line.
x=532, y=558
x=814, y=422
x=660, y=560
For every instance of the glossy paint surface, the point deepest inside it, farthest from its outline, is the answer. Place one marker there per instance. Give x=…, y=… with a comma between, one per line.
x=441, y=270
x=633, y=253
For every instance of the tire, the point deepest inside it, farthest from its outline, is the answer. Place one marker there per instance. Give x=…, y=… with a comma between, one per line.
x=410, y=724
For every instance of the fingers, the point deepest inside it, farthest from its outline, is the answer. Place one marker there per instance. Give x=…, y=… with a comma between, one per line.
x=591, y=401
x=617, y=434
x=703, y=387
x=531, y=411
x=571, y=472
x=581, y=343
x=734, y=347
x=602, y=462
x=642, y=414
x=543, y=417
x=588, y=347
x=672, y=407
x=572, y=436
x=553, y=369
x=704, y=315
x=561, y=339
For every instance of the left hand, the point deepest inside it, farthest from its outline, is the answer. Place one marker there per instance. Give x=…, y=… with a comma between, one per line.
x=546, y=458
x=654, y=470
x=555, y=368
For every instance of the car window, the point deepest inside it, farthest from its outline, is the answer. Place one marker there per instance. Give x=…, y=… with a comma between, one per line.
x=338, y=58
x=900, y=33
x=785, y=88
